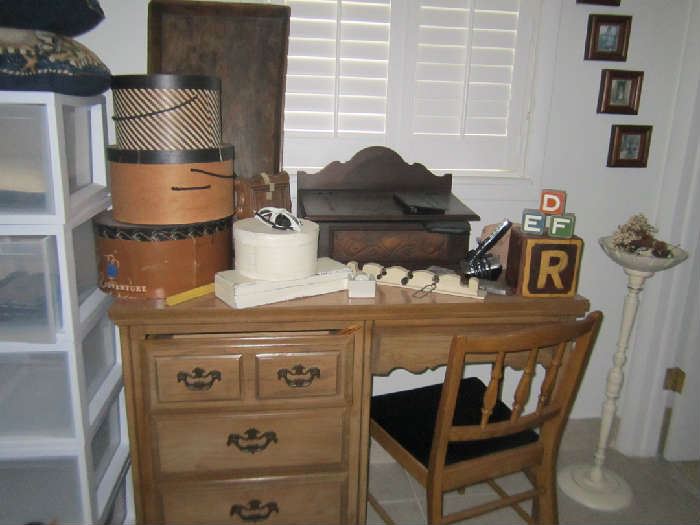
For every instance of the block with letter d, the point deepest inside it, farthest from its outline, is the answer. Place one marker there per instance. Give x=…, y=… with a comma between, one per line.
x=543, y=266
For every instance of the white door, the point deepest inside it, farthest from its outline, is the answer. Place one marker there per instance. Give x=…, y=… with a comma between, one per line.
x=683, y=441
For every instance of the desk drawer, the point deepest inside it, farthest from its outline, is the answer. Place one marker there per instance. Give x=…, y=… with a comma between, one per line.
x=251, y=441
x=302, y=500
x=198, y=378
x=300, y=374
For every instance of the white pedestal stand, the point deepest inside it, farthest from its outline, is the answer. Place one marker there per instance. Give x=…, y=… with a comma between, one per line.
x=592, y=485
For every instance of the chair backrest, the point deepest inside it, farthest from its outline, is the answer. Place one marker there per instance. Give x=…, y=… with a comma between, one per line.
x=562, y=348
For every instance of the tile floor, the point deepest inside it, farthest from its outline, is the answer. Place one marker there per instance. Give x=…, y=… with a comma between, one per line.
x=664, y=492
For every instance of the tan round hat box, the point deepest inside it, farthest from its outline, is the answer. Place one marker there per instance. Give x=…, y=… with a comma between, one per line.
x=155, y=262
x=171, y=187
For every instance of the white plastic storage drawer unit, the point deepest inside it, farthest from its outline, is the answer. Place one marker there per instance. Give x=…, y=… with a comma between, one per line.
x=63, y=440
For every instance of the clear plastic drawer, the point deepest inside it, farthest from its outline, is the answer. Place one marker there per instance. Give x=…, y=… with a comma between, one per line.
x=77, y=122
x=106, y=440
x=29, y=289
x=40, y=490
x=118, y=510
x=99, y=354
x=25, y=160
x=85, y=260
x=32, y=384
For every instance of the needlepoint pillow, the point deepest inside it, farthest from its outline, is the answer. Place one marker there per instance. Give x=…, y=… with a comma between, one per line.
x=65, y=17
x=44, y=61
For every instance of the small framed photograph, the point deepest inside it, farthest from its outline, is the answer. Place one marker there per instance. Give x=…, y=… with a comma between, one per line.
x=620, y=91
x=599, y=2
x=608, y=37
x=629, y=146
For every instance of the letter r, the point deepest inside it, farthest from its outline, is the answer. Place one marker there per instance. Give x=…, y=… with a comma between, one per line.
x=552, y=263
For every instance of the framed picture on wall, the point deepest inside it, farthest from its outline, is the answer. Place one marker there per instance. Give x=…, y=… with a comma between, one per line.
x=629, y=146
x=620, y=91
x=599, y=2
x=608, y=37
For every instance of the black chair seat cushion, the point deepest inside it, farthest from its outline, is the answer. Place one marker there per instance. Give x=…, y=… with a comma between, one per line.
x=409, y=417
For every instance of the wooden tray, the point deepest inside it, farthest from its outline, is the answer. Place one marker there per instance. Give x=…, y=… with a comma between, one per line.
x=245, y=45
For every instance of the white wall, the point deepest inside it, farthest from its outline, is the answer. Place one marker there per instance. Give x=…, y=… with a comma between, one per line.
x=567, y=150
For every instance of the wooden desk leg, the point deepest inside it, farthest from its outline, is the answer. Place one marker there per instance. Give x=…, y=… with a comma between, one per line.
x=363, y=478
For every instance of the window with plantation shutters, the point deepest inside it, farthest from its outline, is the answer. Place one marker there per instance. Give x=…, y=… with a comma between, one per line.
x=443, y=82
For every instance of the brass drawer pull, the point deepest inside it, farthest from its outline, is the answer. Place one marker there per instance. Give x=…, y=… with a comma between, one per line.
x=197, y=379
x=301, y=376
x=252, y=511
x=253, y=441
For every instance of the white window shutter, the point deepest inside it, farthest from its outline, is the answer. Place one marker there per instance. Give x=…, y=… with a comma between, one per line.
x=463, y=103
x=337, y=75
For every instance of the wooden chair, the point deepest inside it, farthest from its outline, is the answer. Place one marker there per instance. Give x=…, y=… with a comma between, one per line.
x=460, y=433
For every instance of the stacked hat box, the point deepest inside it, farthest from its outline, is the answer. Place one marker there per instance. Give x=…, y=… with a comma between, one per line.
x=172, y=188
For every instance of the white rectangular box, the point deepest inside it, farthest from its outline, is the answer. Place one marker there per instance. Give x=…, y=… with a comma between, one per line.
x=40, y=490
x=31, y=384
x=30, y=306
x=239, y=291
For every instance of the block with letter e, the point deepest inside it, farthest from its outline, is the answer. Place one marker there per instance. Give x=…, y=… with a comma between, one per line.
x=543, y=266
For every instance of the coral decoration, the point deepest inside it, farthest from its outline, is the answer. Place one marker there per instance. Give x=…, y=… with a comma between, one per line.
x=637, y=236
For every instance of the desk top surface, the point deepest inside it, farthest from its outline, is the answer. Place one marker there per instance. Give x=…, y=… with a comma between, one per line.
x=389, y=303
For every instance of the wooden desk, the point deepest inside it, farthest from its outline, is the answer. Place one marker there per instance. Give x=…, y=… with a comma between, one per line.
x=263, y=412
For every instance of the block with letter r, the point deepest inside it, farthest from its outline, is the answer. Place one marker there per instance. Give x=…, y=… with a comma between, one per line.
x=543, y=266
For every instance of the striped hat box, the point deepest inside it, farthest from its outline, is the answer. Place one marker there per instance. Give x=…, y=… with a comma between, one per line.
x=167, y=112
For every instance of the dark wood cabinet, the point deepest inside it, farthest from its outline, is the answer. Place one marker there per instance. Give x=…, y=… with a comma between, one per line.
x=360, y=220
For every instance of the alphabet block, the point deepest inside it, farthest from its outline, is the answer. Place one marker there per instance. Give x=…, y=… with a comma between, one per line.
x=533, y=222
x=552, y=202
x=543, y=266
x=562, y=226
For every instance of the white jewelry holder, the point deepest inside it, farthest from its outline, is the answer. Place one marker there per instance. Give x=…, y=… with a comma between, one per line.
x=421, y=280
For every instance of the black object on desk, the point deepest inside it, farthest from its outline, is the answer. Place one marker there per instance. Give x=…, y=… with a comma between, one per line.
x=360, y=218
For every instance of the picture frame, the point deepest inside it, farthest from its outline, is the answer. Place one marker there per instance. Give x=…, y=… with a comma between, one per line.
x=599, y=2
x=620, y=91
x=608, y=37
x=629, y=146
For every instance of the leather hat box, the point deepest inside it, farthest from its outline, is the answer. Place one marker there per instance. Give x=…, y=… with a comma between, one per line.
x=171, y=187
x=253, y=193
x=155, y=262
x=167, y=112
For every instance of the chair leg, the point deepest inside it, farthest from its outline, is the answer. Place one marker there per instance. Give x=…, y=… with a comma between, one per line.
x=380, y=510
x=434, y=497
x=544, y=507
